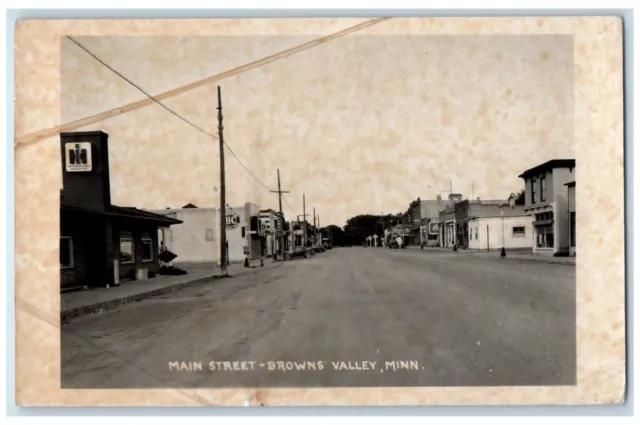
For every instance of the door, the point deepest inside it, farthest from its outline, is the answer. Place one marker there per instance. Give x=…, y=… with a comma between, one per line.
x=95, y=251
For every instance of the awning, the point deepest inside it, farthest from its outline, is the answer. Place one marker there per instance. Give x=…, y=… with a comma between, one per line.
x=542, y=222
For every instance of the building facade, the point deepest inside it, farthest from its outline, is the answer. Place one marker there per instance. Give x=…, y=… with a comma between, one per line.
x=198, y=240
x=571, y=199
x=272, y=229
x=424, y=219
x=496, y=226
x=101, y=244
x=547, y=199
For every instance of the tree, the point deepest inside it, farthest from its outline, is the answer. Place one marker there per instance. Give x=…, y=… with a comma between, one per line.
x=520, y=197
x=335, y=234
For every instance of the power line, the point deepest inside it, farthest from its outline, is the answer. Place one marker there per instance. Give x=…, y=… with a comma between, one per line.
x=77, y=43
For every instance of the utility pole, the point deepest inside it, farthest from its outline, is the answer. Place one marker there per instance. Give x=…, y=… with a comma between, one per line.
x=280, y=192
x=223, y=201
x=304, y=217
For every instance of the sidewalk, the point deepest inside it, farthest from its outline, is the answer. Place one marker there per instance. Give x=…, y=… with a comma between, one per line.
x=80, y=303
x=429, y=248
x=527, y=257
x=523, y=255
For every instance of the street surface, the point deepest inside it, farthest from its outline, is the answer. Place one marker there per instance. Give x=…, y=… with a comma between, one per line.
x=438, y=318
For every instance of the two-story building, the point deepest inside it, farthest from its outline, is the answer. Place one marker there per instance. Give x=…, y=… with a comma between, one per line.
x=547, y=199
x=272, y=230
x=448, y=226
x=425, y=214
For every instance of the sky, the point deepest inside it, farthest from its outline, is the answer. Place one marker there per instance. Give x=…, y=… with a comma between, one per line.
x=360, y=124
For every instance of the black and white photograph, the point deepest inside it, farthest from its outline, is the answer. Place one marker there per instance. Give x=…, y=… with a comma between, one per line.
x=273, y=211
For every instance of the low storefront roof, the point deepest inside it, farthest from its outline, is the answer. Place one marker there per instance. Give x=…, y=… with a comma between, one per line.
x=124, y=212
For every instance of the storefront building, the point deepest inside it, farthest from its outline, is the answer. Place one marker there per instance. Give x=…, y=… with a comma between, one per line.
x=101, y=244
x=495, y=225
x=197, y=239
x=571, y=199
x=547, y=199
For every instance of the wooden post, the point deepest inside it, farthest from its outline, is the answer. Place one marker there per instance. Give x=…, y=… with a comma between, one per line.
x=488, y=238
x=280, y=192
x=223, y=201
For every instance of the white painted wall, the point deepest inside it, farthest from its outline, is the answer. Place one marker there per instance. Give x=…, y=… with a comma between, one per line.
x=562, y=223
x=495, y=226
x=188, y=240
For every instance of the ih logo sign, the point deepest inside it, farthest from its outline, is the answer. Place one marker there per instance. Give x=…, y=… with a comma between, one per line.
x=434, y=228
x=78, y=157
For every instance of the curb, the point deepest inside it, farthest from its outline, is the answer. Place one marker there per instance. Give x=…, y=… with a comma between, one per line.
x=107, y=305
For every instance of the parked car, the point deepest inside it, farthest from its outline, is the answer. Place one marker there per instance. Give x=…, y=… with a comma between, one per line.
x=318, y=248
x=298, y=252
x=393, y=244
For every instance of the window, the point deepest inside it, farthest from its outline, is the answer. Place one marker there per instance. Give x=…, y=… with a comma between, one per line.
x=208, y=235
x=66, y=252
x=518, y=231
x=533, y=191
x=147, y=249
x=572, y=229
x=126, y=249
x=543, y=189
x=476, y=233
x=243, y=233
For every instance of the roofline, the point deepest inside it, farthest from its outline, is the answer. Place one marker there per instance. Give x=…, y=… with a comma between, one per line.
x=84, y=133
x=549, y=165
x=499, y=216
x=570, y=184
x=149, y=217
x=157, y=210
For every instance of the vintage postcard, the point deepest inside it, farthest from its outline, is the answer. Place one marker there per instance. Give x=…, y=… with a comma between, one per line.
x=295, y=212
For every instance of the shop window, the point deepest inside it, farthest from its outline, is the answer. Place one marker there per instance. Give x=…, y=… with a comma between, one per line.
x=208, y=235
x=543, y=189
x=147, y=249
x=518, y=231
x=66, y=252
x=126, y=249
x=545, y=237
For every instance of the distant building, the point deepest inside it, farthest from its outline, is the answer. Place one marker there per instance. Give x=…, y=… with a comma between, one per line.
x=422, y=213
x=272, y=230
x=547, y=199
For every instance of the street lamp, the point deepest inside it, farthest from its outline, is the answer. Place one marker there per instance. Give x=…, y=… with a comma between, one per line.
x=503, y=253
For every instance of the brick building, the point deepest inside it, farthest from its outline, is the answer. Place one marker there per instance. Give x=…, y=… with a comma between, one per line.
x=101, y=244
